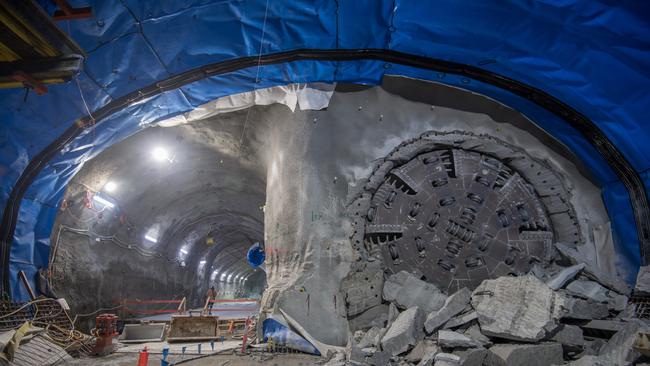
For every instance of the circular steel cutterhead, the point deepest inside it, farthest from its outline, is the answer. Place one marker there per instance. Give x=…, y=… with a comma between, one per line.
x=457, y=217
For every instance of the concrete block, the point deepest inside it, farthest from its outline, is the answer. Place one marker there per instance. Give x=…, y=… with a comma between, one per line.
x=584, y=309
x=446, y=359
x=567, y=274
x=588, y=290
x=450, y=339
x=376, y=316
x=590, y=360
x=617, y=302
x=461, y=319
x=453, y=305
x=592, y=271
x=379, y=358
x=428, y=359
x=393, y=312
x=423, y=348
x=371, y=338
x=518, y=308
x=542, y=354
x=471, y=356
x=405, y=331
x=406, y=291
x=474, y=332
x=570, y=336
x=642, y=286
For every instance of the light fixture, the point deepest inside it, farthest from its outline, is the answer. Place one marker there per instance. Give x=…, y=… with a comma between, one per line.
x=150, y=238
x=223, y=276
x=183, y=250
x=160, y=154
x=103, y=201
x=110, y=186
x=203, y=262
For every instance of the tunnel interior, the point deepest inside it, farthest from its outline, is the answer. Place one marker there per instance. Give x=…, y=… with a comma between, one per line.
x=370, y=183
x=340, y=197
x=165, y=214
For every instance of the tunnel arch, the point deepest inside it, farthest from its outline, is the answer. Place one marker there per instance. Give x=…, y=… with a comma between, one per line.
x=42, y=191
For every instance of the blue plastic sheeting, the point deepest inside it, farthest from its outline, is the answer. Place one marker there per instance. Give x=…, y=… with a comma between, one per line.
x=592, y=56
x=283, y=336
x=255, y=255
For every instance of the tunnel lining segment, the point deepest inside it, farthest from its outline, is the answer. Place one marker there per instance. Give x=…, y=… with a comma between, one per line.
x=619, y=164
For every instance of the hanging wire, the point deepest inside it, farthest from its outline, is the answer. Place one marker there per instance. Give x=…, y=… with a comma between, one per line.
x=257, y=75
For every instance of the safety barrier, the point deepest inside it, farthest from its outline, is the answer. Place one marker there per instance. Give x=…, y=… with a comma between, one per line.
x=128, y=306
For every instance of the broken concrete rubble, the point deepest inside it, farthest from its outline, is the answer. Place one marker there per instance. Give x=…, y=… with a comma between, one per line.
x=371, y=338
x=379, y=358
x=588, y=290
x=446, y=359
x=474, y=332
x=619, y=348
x=453, y=305
x=376, y=316
x=570, y=336
x=450, y=339
x=471, y=356
x=405, y=331
x=461, y=319
x=592, y=271
x=423, y=348
x=575, y=308
x=406, y=291
x=567, y=274
x=517, y=308
x=642, y=286
x=594, y=291
x=542, y=354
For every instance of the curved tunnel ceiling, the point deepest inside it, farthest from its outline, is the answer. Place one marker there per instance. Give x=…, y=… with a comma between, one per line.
x=207, y=189
x=526, y=77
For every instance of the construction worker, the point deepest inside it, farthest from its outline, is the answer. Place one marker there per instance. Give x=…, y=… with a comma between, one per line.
x=212, y=294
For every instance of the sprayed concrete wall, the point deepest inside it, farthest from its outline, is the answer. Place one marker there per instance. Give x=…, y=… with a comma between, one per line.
x=318, y=162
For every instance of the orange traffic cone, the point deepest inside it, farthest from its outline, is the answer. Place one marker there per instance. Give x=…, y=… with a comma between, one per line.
x=144, y=357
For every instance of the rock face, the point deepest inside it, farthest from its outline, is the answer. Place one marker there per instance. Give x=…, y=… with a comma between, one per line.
x=454, y=304
x=517, y=308
x=559, y=280
x=643, y=281
x=405, y=331
x=543, y=354
x=449, y=339
x=406, y=291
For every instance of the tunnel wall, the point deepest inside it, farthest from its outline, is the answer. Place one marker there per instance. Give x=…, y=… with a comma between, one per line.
x=142, y=34
x=318, y=163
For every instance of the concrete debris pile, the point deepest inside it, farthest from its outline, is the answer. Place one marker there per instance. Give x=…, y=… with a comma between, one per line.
x=556, y=315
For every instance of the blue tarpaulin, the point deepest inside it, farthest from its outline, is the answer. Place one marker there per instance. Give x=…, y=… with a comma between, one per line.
x=592, y=55
x=280, y=335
